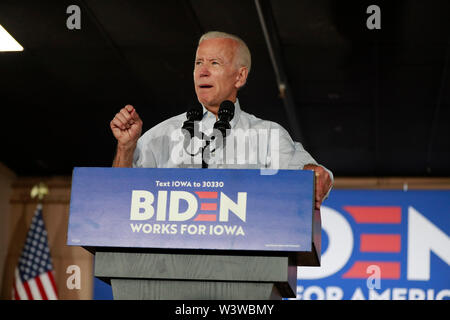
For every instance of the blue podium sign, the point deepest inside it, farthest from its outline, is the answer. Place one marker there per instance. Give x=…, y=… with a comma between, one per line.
x=221, y=209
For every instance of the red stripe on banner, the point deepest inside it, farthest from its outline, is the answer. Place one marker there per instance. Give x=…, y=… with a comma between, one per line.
x=41, y=288
x=375, y=214
x=206, y=217
x=15, y=295
x=380, y=243
x=208, y=206
x=52, y=280
x=359, y=270
x=207, y=194
x=27, y=290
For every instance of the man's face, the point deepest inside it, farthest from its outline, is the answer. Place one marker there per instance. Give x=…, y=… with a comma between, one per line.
x=216, y=75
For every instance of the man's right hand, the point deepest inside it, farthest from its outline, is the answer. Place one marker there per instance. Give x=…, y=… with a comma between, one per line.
x=126, y=127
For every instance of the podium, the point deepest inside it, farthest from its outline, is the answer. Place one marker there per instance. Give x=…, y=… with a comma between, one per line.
x=189, y=234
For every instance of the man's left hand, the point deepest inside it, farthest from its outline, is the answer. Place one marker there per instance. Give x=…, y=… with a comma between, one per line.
x=323, y=182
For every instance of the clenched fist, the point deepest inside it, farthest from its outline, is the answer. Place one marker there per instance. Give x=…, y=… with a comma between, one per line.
x=127, y=127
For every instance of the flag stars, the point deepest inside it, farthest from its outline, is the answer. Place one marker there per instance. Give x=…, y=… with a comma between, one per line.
x=35, y=258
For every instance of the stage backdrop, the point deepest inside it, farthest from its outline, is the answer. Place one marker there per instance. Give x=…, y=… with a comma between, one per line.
x=382, y=245
x=376, y=245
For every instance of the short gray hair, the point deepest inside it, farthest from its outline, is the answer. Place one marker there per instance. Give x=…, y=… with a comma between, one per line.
x=243, y=53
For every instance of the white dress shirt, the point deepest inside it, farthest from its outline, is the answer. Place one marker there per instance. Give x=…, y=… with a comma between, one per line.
x=252, y=143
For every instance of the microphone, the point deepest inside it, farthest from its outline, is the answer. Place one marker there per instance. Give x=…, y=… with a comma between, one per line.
x=225, y=113
x=190, y=127
x=193, y=114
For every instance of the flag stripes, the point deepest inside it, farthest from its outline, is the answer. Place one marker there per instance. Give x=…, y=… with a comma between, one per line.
x=33, y=276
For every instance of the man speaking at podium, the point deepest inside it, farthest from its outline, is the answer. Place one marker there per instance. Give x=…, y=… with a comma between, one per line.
x=222, y=65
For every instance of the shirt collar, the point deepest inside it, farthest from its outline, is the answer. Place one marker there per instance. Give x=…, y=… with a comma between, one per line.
x=237, y=113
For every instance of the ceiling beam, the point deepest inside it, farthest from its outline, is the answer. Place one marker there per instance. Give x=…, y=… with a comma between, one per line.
x=434, y=122
x=187, y=4
x=143, y=90
x=271, y=37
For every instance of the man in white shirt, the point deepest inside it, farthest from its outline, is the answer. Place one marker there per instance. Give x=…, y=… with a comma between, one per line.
x=222, y=64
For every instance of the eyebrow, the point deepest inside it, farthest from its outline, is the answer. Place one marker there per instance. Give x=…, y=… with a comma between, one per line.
x=211, y=59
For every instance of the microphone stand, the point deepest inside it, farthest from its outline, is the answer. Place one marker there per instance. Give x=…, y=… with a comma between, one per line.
x=204, y=164
x=225, y=113
x=207, y=144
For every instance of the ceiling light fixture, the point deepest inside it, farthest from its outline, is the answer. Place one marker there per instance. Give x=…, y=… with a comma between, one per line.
x=7, y=42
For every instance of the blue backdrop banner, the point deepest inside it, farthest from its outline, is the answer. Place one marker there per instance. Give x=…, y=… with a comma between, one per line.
x=382, y=245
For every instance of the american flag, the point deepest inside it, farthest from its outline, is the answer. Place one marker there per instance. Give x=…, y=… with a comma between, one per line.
x=33, y=276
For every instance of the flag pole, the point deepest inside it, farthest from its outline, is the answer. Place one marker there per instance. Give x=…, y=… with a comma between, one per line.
x=39, y=191
x=33, y=276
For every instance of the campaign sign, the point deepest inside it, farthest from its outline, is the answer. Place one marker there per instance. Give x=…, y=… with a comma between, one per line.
x=191, y=209
x=382, y=245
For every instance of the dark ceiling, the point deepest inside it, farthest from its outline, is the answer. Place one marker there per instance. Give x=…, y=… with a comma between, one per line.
x=369, y=102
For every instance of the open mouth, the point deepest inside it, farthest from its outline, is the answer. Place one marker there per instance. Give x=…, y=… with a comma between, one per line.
x=205, y=86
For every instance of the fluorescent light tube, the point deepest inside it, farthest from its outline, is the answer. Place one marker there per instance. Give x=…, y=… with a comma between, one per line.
x=7, y=42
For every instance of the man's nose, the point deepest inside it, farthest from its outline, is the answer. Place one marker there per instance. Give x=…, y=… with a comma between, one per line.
x=204, y=71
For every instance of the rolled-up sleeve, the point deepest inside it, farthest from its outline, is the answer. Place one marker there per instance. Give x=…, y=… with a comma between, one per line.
x=302, y=157
x=143, y=156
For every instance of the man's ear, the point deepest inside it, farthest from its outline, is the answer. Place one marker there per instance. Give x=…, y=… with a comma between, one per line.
x=241, y=77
